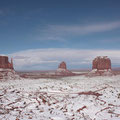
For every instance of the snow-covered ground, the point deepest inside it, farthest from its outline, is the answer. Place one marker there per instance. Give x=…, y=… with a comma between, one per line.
x=79, y=72
x=68, y=98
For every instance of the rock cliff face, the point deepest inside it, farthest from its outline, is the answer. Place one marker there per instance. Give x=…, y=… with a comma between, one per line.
x=62, y=70
x=101, y=63
x=6, y=69
x=4, y=63
x=62, y=65
x=101, y=66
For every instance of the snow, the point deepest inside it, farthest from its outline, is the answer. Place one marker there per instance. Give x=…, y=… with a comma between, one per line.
x=93, y=71
x=61, y=69
x=68, y=98
x=105, y=57
x=8, y=74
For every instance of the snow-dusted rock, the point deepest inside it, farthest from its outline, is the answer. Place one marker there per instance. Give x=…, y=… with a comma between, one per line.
x=101, y=66
x=8, y=74
x=95, y=72
x=62, y=70
x=6, y=69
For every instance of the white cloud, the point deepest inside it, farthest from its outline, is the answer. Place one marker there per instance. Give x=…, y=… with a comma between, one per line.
x=79, y=29
x=45, y=58
x=60, y=32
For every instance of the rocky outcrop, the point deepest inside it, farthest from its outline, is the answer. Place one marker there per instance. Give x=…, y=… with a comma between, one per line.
x=101, y=63
x=62, y=70
x=101, y=66
x=4, y=63
x=6, y=69
x=62, y=65
x=8, y=74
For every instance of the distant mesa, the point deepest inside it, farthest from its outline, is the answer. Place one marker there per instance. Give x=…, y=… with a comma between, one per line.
x=62, y=65
x=101, y=66
x=62, y=70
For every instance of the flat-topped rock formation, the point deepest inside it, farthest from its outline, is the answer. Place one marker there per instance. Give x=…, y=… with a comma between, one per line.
x=7, y=69
x=62, y=70
x=101, y=66
x=4, y=63
x=101, y=63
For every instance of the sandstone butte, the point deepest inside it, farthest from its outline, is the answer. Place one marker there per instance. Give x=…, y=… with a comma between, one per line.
x=62, y=70
x=101, y=63
x=62, y=65
x=101, y=66
x=5, y=64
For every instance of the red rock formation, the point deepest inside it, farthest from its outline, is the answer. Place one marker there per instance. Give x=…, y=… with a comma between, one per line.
x=62, y=65
x=62, y=70
x=4, y=63
x=6, y=69
x=101, y=63
x=101, y=66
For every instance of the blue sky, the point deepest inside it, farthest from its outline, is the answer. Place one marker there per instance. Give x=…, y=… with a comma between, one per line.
x=29, y=25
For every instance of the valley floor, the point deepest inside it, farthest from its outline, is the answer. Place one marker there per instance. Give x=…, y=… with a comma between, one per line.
x=69, y=98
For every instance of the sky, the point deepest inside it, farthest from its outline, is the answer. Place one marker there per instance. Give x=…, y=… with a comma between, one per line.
x=39, y=34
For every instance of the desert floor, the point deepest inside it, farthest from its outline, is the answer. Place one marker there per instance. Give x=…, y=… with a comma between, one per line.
x=68, y=98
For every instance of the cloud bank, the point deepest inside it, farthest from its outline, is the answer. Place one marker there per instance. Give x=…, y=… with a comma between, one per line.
x=45, y=59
